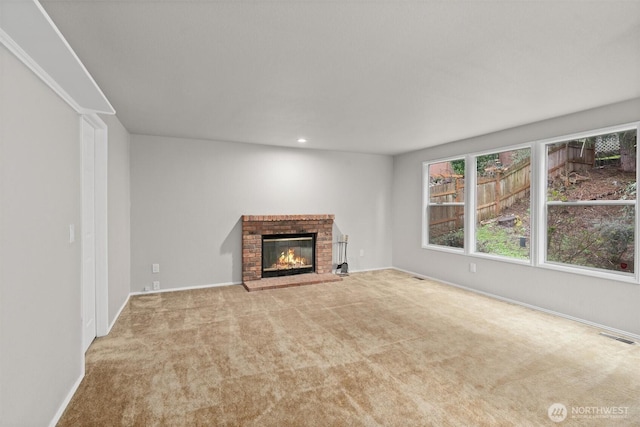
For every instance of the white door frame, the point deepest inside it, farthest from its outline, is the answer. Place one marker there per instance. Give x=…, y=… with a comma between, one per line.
x=88, y=291
x=101, y=242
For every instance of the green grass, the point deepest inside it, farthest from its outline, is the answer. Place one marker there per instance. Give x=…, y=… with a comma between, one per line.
x=497, y=240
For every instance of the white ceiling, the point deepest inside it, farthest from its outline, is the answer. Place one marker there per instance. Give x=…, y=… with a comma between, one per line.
x=365, y=76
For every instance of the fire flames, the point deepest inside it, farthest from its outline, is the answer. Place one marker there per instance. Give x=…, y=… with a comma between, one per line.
x=289, y=260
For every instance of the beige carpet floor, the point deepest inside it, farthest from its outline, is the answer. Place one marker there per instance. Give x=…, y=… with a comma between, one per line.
x=377, y=349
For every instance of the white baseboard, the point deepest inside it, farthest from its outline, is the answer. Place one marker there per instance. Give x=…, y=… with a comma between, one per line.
x=368, y=269
x=635, y=337
x=115, y=318
x=216, y=285
x=65, y=402
x=372, y=269
x=187, y=288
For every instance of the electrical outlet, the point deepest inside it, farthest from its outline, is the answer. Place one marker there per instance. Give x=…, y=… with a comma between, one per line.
x=156, y=285
x=155, y=268
x=147, y=288
x=472, y=267
x=361, y=252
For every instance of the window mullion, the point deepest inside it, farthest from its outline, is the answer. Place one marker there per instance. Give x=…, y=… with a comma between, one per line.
x=539, y=211
x=470, y=205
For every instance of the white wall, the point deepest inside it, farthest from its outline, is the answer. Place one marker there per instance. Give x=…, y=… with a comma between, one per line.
x=606, y=302
x=40, y=327
x=188, y=196
x=118, y=216
x=41, y=357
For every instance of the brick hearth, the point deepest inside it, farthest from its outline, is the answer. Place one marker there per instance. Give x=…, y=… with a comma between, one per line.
x=255, y=226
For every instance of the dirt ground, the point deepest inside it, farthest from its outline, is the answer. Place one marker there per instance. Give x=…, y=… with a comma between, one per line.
x=605, y=183
x=602, y=183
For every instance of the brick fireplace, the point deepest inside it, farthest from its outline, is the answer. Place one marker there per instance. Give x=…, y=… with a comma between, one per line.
x=254, y=227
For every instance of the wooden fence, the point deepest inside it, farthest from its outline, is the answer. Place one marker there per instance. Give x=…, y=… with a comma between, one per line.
x=443, y=219
x=494, y=194
x=563, y=159
x=501, y=191
x=497, y=193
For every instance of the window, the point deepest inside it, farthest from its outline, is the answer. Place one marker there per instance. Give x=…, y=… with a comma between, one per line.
x=591, y=200
x=566, y=203
x=503, y=198
x=444, y=193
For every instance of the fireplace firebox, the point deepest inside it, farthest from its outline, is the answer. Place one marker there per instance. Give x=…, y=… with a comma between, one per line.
x=287, y=254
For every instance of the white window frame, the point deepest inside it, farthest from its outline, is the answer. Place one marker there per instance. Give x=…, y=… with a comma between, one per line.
x=542, y=208
x=538, y=207
x=426, y=198
x=473, y=203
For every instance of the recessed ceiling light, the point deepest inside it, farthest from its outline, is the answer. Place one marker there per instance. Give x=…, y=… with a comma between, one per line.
x=302, y=140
